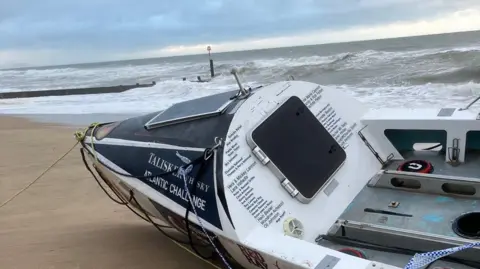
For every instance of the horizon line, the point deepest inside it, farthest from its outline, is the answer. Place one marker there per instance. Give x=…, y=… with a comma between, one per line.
x=232, y=51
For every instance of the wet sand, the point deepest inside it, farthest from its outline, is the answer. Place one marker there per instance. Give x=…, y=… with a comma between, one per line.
x=65, y=220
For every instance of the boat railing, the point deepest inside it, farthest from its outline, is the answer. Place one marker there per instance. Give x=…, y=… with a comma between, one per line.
x=470, y=104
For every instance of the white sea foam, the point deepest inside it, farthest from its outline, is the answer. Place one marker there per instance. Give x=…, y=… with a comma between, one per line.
x=166, y=93
x=171, y=89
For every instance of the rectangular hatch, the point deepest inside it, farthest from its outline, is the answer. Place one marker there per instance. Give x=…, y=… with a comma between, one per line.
x=298, y=149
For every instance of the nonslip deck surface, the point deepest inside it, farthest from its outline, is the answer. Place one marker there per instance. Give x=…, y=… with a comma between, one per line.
x=414, y=219
x=429, y=213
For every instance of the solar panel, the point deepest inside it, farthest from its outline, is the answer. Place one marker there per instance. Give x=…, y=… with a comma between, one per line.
x=203, y=107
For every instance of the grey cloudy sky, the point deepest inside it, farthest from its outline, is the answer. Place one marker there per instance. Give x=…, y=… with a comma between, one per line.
x=64, y=31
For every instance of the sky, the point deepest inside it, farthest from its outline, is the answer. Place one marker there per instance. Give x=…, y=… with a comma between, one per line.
x=50, y=32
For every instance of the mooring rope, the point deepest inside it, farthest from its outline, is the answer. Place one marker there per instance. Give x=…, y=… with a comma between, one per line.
x=38, y=177
x=208, y=153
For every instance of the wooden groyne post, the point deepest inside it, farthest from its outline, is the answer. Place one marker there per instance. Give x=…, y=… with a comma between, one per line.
x=212, y=70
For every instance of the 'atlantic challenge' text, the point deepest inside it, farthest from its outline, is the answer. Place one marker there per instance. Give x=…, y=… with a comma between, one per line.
x=175, y=187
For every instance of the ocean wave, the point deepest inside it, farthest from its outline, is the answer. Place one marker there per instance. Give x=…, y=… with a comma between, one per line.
x=140, y=100
x=418, y=62
x=453, y=75
x=412, y=96
x=377, y=67
x=167, y=93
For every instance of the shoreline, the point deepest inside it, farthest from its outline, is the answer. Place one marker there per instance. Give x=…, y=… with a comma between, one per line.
x=72, y=120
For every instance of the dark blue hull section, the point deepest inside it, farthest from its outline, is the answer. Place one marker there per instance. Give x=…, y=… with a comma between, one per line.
x=141, y=162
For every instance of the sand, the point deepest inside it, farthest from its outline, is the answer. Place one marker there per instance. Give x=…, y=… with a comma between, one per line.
x=64, y=220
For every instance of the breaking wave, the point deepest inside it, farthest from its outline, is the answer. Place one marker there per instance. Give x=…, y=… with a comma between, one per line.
x=436, y=76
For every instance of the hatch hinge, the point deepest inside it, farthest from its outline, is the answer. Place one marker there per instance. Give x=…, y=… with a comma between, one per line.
x=374, y=152
x=261, y=155
x=288, y=186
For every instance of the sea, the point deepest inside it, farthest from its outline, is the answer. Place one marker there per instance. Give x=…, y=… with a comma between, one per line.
x=426, y=71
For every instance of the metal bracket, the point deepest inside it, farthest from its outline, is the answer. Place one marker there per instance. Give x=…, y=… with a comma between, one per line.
x=375, y=153
x=242, y=92
x=454, y=152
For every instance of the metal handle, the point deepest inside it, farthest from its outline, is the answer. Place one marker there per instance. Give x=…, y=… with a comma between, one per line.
x=243, y=91
x=471, y=103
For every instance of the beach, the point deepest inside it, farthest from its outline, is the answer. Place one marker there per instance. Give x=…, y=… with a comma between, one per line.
x=64, y=220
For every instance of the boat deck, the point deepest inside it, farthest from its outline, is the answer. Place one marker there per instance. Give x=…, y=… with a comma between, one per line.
x=395, y=259
x=416, y=211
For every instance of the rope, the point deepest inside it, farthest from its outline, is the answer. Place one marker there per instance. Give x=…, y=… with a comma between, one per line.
x=39, y=177
x=174, y=240
x=184, y=172
x=197, y=256
x=372, y=246
x=423, y=259
x=80, y=136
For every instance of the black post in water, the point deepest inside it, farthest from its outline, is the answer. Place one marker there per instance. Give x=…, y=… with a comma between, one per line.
x=212, y=70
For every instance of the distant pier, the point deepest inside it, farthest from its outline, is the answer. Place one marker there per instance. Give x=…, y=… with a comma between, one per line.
x=77, y=91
